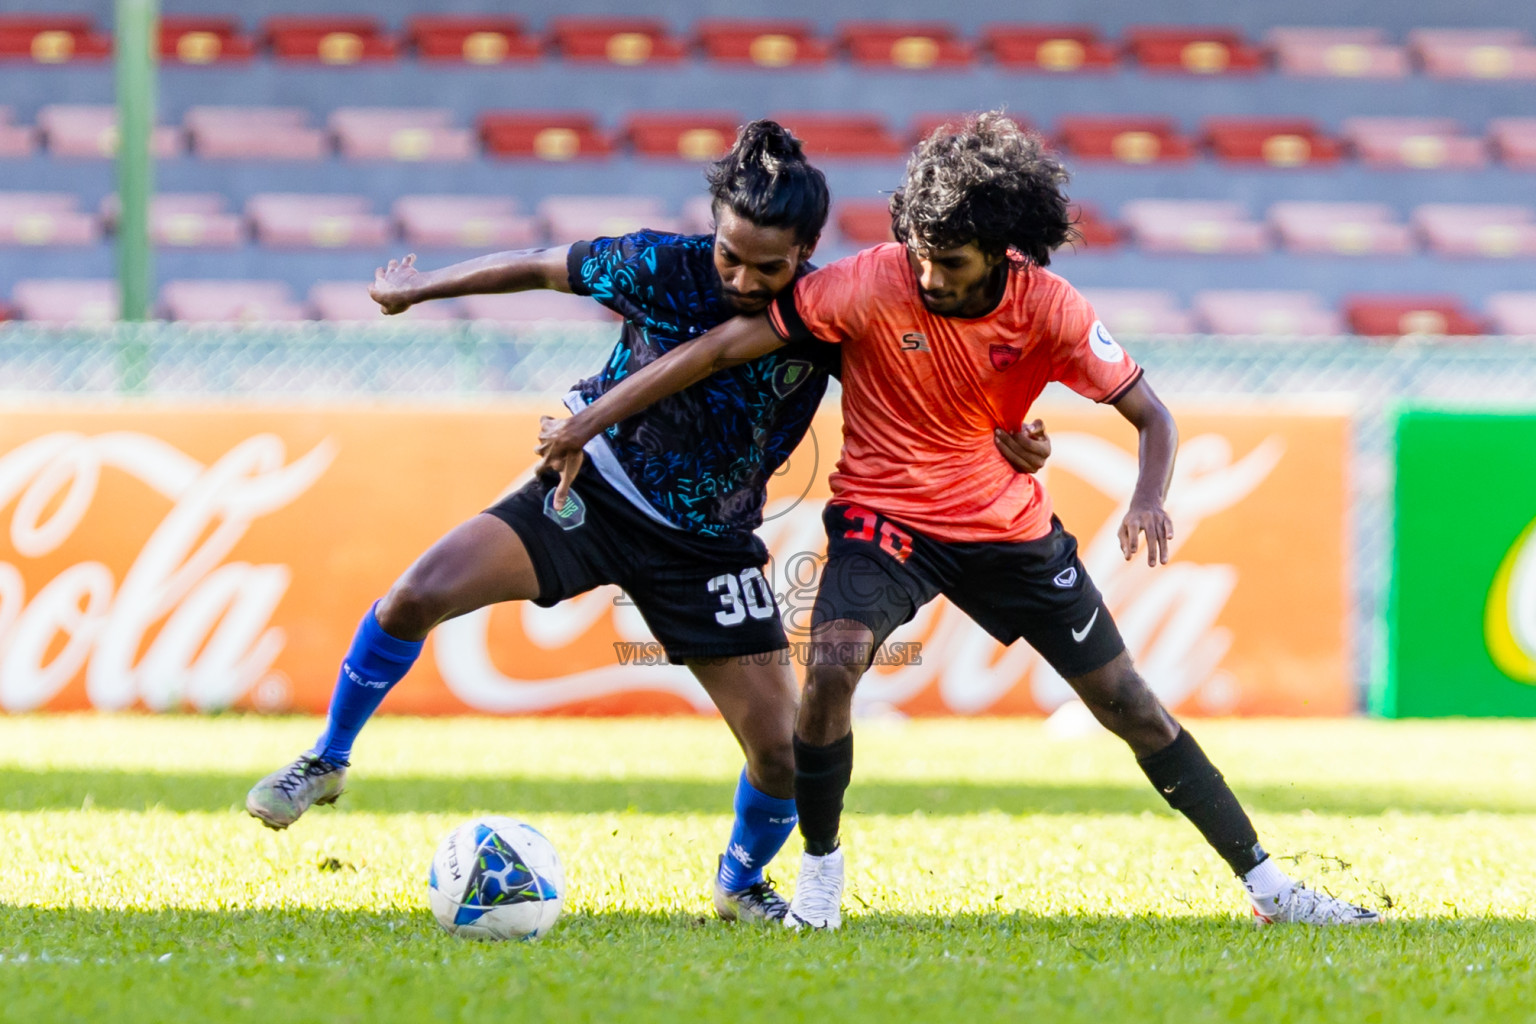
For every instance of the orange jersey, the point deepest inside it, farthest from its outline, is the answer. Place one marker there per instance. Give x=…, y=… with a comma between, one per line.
x=922, y=393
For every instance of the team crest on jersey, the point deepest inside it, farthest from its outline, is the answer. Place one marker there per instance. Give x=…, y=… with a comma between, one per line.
x=790, y=375
x=1105, y=347
x=1004, y=356
x=570, y=515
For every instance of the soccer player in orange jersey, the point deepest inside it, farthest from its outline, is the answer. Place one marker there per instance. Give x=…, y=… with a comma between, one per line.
x=948, y=337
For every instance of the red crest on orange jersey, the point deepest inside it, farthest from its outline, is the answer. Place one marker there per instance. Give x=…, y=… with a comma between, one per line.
x=1004, y=356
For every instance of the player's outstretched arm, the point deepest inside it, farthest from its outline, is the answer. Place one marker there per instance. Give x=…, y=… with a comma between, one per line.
x=739, y=340
x=1159, y=441
x=399, y=286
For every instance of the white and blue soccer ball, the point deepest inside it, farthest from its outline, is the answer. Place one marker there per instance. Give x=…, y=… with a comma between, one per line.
x=496, y=878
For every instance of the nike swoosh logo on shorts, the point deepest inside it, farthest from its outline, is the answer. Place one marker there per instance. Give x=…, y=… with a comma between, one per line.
x=1078, y=635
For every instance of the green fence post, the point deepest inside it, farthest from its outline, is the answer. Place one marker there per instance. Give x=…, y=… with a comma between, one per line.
x=136, y=49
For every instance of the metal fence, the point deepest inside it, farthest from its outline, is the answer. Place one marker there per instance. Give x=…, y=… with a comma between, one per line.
x=462, y=359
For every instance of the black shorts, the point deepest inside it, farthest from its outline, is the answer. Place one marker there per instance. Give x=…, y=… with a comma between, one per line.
x=702, y=597
x=880, y=573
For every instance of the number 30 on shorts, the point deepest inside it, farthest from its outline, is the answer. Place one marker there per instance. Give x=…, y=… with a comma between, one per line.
x=739, y=597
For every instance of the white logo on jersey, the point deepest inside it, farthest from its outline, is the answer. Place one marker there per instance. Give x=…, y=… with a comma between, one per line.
x=1105, y=347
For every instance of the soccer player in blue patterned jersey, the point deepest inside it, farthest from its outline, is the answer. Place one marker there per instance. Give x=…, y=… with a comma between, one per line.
x=666, y=505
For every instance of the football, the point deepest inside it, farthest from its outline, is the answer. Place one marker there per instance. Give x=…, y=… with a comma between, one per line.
x=496, y=878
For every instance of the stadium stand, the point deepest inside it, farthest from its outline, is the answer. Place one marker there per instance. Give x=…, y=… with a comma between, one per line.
x=1206, y=50
x=1513, y=312
x=704, y=135
x=909, y=46
x=328, y=40
x=624, y=41
x=1289, y=313
x=766, y=44
x=1390, y=315
x=1128, y=140
x=1337, y=53
x=16, y=140
x=400, y=133
x=285, y=220
x=204, y=40
x=529, y=307
x=1139, y=310
x=67, y=301
x=349, y=301
x=469, y=39
x=469, y=222
x=230, y=301
x=1414, y=142
x=1276, y=142
x=46, y=219
x=557, y=136
x=1050, y=48
x=254, y=133
x=1194, y=226
x=89, y=131
x=1340, y=229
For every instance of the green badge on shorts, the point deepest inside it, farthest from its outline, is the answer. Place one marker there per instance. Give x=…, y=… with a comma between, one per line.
x=570, y=515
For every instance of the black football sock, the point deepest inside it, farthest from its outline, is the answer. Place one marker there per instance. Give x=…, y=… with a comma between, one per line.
x=821, y=778
x=1193, y=787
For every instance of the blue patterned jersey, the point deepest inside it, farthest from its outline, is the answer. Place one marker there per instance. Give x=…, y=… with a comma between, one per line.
x=701, y=457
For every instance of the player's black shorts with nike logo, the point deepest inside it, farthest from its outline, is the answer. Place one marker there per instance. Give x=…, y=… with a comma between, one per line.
x=702, y=597
x=880, y=572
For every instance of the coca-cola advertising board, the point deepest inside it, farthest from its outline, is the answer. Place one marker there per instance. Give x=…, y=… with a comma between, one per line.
x=178, y=557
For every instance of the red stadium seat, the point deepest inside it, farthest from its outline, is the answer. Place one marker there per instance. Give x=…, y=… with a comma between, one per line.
x=46, y=219
x=1131, y=140
x=624, y=41
x=924, y=125
x=1193, y=226
x=469, y=39
x=1266, y=312
x=400, y=133
x=1132, y=311
x=16, y=140
x=52, y=39
x=1337, y=53
x=328, y=40
x=67, y=301
x=89, y=131
x=255, y=133
x=841, y=135
x=1094, y=231
x=467, y=222
x=547, y=136
x=911, y=46
x=1391, y=315
x=1418, y=142
x=1196, y=50
x=201, y=40
x=1514, y=139
x=349, y=301
x=1278, y=142
x=1492, y=231
x=767, y=44
x=1511, y=312
x=1058, y=48
x=292, y=221
x=863, y=221
x=575, y=217
x=1340, y=229
x=703, y=135
x=531, y=307
x=230, y=301
x=1474, y=53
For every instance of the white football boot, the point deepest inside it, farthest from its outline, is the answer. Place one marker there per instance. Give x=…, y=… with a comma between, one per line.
x=818, y=901
x=281, y=797
x=1298, y=904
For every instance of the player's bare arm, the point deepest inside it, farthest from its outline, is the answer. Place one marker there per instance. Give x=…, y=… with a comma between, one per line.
x=1159, y=441
x=400, y=285
x=739, y=340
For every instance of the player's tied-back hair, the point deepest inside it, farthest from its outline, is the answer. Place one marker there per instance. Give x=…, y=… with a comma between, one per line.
x=984, y=180
x=766, y=179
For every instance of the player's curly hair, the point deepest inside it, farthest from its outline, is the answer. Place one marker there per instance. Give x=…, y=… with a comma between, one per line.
x=766, y=179
x=986, y=181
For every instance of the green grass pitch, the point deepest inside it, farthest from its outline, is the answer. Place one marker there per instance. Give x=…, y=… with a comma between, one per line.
x=995, y=872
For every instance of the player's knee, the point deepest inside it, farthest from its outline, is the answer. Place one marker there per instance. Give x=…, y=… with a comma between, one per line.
x=772, y=767
x=409, y=611
x=832, y=682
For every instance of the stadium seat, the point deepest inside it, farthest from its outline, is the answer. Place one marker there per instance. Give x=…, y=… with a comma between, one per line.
x=863, y=221
x=1391, y=315
x=52, y=39
x=1278, y=142
x=1055, y=48
x=466, y=222
x=89, y=131
x=704, y=135
x=291, y=221
x=1094, y=230
x=1513, y=313
x=841, y=135
x=255, y=133
x=400, y=133
x=1477, y=230
x=1132, y=311
x=698, y=216
x=1420, y=142
x=924, y=125
x=1514, y=139
x=1474, y=53
x=468, y=39
x=46, y=219
x=338, y=41
x=229, y=301
x=349, y=301
x=1196, y=50
x=1266, y=312
x=203, y=40
x=526, y=307
x=623, y=41
x=767, y=44
x=188, y=220
x=1131, y=140
x=67, y=301
x=1337, y=53
x=547, y=136
x=577, y=217
x=1193, y=226
x=910, y=46
x=16, y=140
x=1340, y=229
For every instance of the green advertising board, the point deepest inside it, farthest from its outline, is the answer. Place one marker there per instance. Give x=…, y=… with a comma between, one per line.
x=1461, y=615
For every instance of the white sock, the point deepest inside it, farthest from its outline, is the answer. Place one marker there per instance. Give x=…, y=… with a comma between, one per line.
x=1265, y=882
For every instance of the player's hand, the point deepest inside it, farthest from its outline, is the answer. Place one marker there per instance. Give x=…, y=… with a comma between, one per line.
x=394, y=286
x=1151, y=519
x=560, y=444
x=1027, y=450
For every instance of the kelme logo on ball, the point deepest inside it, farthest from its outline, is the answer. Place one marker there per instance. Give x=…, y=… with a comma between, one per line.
x=1509, y=622
x=1105, y=347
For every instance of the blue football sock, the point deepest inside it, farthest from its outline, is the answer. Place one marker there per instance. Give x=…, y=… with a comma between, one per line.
x=762, y=824
x=375, y=662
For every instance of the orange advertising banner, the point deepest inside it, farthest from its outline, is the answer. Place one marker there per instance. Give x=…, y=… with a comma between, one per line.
x=178, y=557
